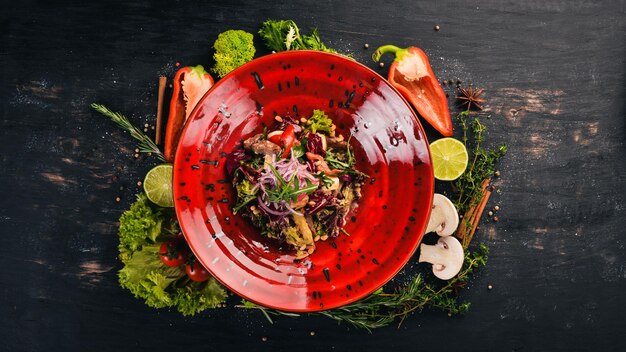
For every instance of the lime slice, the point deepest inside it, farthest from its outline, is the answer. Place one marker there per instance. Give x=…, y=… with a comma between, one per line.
x=449, y=158
x=158, y=185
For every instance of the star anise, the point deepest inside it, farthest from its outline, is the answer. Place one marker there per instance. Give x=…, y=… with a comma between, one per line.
x=469, y=98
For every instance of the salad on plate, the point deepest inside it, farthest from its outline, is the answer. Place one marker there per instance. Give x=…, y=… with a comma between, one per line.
x=296, y=181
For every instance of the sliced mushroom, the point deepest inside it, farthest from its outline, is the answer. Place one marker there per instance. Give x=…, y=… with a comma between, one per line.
x=446, y=257
x=443, y=217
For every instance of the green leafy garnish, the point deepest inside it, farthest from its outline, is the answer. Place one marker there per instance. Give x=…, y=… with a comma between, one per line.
x=145, y=144
x=319, y=121
x=245, y=193
x=325, y=180
x=287, y=190
x=140, y=225
x=282, y=35
x=481, y=166
x=233, y=48
x=146, y=277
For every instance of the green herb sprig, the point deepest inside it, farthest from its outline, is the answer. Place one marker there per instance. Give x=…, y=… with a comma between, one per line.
x=468, y=186
x=144, y=143
x=287, y=190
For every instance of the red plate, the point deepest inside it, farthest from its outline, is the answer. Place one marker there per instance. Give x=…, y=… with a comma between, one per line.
x=389, y=145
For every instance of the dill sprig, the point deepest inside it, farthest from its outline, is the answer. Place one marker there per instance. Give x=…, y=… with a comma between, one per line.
x=468, y=186
x=145, y=144
x=381, y=309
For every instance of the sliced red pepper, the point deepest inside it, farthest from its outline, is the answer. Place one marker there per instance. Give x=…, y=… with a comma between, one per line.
x=411, y=74
x=274, y=137
x=288, y=139
x=185, y=97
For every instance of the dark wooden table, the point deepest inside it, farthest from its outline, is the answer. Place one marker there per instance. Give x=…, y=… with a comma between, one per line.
x=554, y=74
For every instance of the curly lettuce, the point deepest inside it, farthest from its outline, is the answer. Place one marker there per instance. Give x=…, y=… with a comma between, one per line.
x=146, y=277
x=319, y=121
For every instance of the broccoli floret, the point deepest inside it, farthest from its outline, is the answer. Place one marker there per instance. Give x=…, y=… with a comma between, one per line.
x=233, y=48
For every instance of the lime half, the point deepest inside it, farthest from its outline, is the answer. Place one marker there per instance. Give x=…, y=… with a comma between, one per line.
x=158, y=185
x=449, y=158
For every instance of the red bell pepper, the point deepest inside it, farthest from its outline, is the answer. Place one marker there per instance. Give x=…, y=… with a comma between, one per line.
x=190, y=85
x=287, y=139
x=411, y=74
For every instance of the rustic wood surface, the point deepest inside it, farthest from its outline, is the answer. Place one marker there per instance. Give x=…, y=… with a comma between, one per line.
x=554, y=75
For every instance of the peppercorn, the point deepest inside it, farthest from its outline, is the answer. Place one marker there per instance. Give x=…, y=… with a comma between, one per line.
x=489, y=286
x=496, y=208
x=118, y=199
x=138, y=183
x=490, y=213
x=381, y=65
x=366, y=45
x=136, y=150
x=312, y=333
x=497, y=173
x=437, y=28
x=445, y=82
x=264, y=338
x=495, y=219
x=146, y=125
x=136, y=156
x=458, y=81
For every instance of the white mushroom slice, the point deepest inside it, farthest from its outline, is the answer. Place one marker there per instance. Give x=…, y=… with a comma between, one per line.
x=446, y=257
x=443, y=217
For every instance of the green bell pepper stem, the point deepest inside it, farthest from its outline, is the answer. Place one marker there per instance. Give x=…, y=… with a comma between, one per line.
x=392, y=49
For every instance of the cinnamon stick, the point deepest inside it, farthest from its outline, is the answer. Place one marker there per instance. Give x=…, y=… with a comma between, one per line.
x=471, y=214
x=477, y=215
x=159, y=116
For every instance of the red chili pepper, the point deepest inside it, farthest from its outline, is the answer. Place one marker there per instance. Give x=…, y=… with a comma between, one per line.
x=412, y=75
x=197, y=82
x=287, y=139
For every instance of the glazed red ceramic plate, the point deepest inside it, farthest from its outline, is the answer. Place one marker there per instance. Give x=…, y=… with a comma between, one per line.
x=389, y=145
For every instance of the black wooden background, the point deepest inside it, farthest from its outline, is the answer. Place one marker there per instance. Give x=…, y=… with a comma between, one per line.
x=554, y=78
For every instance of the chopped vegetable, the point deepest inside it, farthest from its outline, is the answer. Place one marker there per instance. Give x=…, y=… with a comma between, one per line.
x=285, y=35
x=146, y=277
x=233, y=48
x=319, y=121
